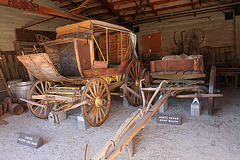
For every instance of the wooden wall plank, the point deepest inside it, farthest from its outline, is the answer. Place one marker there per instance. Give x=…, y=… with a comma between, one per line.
x=16, y=66
x=12, y=68
x=5, y=67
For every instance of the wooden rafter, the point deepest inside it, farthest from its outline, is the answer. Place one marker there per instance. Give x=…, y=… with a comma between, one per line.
x=151, y=2
x=73, y=11
x=167, y=8
x=129, y=10
x=31, y=7
x=111, y=9
x=152, y=7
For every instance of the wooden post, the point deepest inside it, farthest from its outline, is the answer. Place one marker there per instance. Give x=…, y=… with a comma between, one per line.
x=121, y=45
x=107, y=43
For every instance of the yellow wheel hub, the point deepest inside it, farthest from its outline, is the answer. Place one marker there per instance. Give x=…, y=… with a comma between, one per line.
x=99, y=102
x=136, y=83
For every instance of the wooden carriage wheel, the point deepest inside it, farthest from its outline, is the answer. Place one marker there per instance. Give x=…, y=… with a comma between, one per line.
x=97, y=93
x=212, y=81
x=40, y=88
x=132, y=78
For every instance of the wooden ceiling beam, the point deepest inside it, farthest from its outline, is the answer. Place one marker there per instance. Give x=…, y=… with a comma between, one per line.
x=78, y=2
x=172, y=17
x=167, y=8
x=157, y=2
x=31, y=7
x=111, y=9
x=152, y=7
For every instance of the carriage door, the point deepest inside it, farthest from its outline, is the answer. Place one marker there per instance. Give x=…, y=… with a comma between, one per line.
x=82, y=49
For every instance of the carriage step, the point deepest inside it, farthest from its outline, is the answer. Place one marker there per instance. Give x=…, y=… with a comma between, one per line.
x=64, y=91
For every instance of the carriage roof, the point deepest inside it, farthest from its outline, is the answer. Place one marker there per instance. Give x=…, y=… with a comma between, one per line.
x=88, y=25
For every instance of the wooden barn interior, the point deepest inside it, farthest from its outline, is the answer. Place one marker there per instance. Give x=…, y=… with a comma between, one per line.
x=119, y=79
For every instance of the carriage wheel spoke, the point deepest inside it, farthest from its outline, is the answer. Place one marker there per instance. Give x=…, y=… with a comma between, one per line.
x=89, y=116
x=94, y=89
x=46, y=86
x=41, y=111
x=131, y=74
x=94, y=113
x=100, y=114
x=102, y=91
x=98, y=88
x=42, y=88
x=104, y=95
x=104, y=106
x=132, y=69
x=39, y=90
x=90, y=89
x=35, y=93
x=35, y=110
x=89, y=107
x=97, y=115
x=102, y=111
x=89, y=96
x=45, y=111
x=137, y=70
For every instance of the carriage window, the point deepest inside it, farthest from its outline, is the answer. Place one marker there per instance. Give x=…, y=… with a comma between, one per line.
x=114, y=48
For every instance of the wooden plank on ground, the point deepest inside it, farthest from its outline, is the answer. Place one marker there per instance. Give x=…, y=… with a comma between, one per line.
x=129, y=134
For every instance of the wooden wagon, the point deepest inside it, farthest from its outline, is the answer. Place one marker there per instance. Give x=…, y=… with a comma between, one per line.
x=80, y=68
x=186, y=70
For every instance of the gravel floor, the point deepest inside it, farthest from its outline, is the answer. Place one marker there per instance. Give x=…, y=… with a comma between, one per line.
x=203, y=137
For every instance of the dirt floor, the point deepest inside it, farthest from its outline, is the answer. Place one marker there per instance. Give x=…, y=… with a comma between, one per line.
x=203, y=137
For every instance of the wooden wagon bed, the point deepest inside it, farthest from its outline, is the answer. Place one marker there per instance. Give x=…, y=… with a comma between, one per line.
x=178, y=67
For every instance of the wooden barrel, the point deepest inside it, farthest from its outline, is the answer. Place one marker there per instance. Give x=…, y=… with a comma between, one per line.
x=22, y=89
x=15, y=109
x=12, y=86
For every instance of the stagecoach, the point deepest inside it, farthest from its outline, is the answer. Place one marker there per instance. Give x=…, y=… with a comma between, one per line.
x=86, y=62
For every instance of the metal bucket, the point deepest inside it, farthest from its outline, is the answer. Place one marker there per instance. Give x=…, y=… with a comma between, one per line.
x=12, y=86
x=22, y=89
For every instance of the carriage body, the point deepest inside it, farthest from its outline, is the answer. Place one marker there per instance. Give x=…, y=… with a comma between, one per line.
x=79, y=69
x=82, y=51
